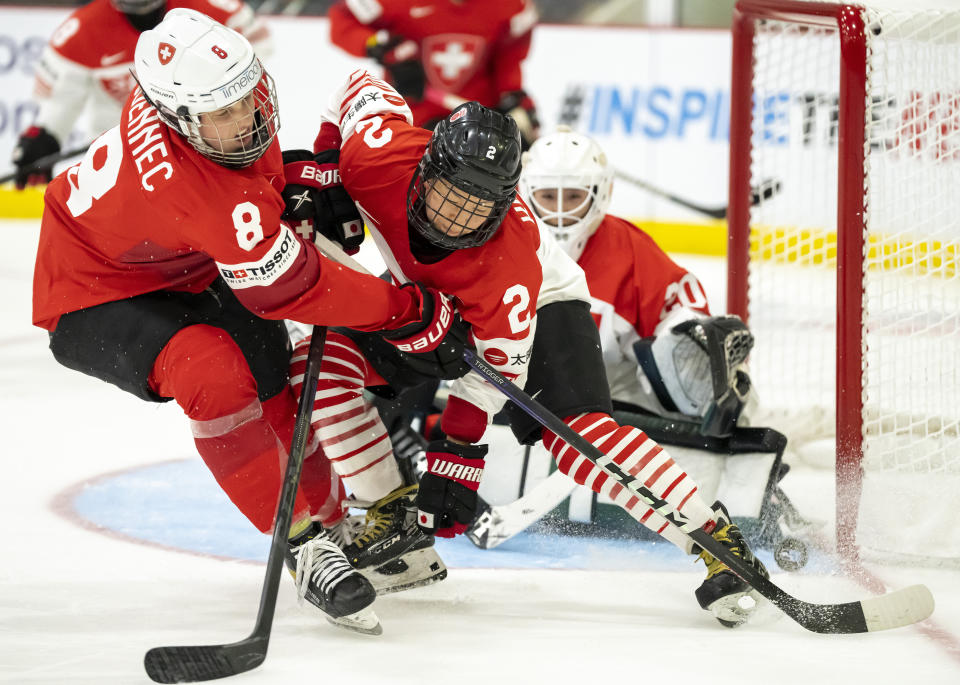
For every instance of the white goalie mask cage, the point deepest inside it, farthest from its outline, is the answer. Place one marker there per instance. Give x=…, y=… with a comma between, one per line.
x=561, y=160
x=206, y=82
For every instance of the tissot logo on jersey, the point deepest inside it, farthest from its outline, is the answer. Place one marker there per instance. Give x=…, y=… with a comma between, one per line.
x=277, y=261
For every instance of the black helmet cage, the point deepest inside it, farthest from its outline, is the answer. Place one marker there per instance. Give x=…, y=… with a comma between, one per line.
x=476, y=150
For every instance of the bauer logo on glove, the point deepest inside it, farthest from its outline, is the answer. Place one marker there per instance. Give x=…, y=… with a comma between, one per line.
x=428, y=339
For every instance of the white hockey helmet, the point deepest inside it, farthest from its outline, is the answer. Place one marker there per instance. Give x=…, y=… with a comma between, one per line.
x=561, y=160
x=190, y=66
x=137, y=6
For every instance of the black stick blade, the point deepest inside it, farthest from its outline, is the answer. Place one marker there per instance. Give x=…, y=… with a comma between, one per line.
x=209, y=662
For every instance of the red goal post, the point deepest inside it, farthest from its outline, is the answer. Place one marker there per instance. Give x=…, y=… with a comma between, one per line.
x=849, y=276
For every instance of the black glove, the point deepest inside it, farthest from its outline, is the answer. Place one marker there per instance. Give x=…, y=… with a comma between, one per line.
x=447, y=498
x=519, y=106
x=401, y=60
x=434, y=345
x=314, y=198
x=35, y=143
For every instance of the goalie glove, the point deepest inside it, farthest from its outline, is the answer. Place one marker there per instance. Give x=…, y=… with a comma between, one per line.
x=314, y=198
x=696, y=368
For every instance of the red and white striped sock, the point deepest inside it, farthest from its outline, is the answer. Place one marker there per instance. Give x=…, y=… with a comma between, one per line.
x=351, y=433
x=634, y=452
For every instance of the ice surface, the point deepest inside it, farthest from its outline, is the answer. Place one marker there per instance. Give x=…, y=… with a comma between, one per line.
x=81, y=606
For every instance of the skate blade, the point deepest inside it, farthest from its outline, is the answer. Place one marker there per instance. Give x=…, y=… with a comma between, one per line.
x=364, y=621
x=411, y=570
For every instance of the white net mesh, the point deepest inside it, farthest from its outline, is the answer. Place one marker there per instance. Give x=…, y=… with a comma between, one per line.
x=910, y=284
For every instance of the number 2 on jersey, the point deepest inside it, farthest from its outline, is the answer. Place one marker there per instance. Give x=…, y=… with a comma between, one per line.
x=518, y=317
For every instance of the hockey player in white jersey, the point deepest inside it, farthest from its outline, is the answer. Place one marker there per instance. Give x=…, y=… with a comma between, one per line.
x=88, y=64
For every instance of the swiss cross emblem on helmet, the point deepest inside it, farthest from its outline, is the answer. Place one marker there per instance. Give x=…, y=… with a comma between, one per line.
x=165, y=52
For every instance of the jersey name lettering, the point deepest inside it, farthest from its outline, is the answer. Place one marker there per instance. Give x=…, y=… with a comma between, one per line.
x=145, y=137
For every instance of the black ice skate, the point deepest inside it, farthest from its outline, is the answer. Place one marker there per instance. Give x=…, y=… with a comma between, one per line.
x=723, y=593
x=325, y=578
x=392, y=552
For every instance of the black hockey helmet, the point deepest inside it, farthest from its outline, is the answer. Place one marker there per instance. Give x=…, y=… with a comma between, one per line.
x=467, y=178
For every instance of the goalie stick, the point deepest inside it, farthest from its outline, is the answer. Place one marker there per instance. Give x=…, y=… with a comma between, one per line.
x=893, y=610
x=208, y=662
x=497, y=524
x=759, y=193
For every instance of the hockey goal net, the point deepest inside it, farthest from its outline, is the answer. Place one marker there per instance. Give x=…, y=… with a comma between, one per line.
x=849, y=275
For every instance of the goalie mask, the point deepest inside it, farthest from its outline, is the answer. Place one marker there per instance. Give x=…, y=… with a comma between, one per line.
x=208, y=85
x=567, y=183
x=467, y=178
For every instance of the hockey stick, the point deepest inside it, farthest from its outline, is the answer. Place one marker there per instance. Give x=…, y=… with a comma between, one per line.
x=765, y=191
x=208, y=662
x=48, y=160
x=893, y=610
x=496, y=525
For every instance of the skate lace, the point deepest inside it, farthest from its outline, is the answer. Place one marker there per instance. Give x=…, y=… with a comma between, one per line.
x=381, y=516
x=377, y=522
x=346, y=531
x=730, y=537
x=321, y=561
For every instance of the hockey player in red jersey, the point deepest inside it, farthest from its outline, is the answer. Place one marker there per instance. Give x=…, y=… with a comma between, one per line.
x=163, y=268
x=649, y=310
x=88, y=62
x=469, y=48
x=443, y=210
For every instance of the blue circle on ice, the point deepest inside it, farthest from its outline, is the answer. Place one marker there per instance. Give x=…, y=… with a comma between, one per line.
x=178, y=505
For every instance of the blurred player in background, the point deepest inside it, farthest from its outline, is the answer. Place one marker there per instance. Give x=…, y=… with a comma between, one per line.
x=443, y=210
x=89, y=60
x=472, y=49
x=164, y=268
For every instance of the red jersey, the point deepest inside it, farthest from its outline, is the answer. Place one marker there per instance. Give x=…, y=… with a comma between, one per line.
x=495, y=286
x=634, y=287
x=144, y=211
x=90, y=56
x=470, y=48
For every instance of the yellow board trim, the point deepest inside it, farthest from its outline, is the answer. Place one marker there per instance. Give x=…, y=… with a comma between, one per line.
x=21, y=204
x=673, y=237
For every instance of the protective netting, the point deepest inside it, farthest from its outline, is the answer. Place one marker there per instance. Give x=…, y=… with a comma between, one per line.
x=910, y=282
